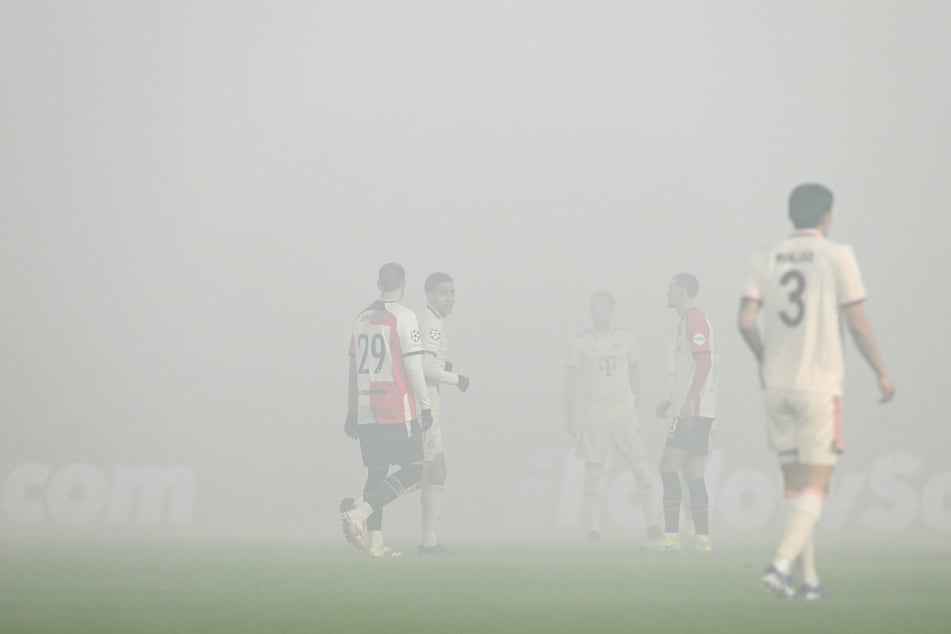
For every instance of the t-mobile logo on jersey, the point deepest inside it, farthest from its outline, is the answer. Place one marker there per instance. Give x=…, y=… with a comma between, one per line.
x=78, y=493
x=608, y=365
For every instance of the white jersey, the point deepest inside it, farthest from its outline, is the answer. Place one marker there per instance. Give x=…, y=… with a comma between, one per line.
x=386, y=373
x=694, y=366
x=435, y=344
x=803, y=283
x=603, y=363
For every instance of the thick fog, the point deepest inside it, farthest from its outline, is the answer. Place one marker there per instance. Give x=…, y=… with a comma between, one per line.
x=196, y=198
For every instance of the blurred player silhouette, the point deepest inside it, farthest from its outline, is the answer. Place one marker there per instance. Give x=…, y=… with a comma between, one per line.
x=388, y=409
x=440, y=299
x=805, y=285
x=691, y=402
x=602, y=367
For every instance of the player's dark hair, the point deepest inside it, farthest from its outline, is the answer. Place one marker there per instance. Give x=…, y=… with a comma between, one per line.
x=608, y=296
x=391, y=276
x=688, y=282
x=435, y=280
x=808, y=205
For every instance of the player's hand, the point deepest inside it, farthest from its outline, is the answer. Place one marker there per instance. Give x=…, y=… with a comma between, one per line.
x=426, y=419
x=463, y=383
x=887, y=387
x=662, y=408
x=350, y=427
x=447, y=365
x=686, y=412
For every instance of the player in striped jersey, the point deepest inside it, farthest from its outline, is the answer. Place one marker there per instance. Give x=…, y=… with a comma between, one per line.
x=691, y=403
x=805, y=285
x=388, y=409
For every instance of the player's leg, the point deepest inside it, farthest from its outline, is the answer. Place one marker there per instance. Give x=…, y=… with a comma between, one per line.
x=434, y=479
x=805, y=495
x=810, y=589
x=591, y=502
x=594, y=448
x=403, y=446
x=630, y=444
x=356, y=514
x=694, y=468
x=806, y=477
x=671, y=462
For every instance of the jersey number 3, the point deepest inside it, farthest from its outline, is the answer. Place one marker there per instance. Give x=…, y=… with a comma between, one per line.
x=375, y=347
x=795, y=296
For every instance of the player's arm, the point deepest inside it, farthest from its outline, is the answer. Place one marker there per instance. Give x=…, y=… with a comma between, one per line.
x=663, y=408
x=436, y=371
x=634, y=375
x=698, y=338
x=350, y=427
x=571, y=396
x=408, y=332
x=850, y=292
x=864, y=338
x=746, y=320
x=633, y=369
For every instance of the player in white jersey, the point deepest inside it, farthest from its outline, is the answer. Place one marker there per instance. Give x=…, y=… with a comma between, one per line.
x=602, y=367
x=440, y=298
x=804, y=286
x=691, y=403
x=388, y=409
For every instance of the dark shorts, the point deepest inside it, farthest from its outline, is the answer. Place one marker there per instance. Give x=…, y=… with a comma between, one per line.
x=384, y=445
x=690, y=435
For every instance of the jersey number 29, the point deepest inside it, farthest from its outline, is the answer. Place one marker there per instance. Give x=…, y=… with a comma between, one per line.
x=375, y=347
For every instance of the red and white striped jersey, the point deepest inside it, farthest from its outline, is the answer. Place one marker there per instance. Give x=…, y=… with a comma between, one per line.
x=694, y=365
x=385, y=365
x=803, y=283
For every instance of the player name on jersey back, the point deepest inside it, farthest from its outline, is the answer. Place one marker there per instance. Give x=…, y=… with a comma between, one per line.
x=383, y=335
x=803, y=282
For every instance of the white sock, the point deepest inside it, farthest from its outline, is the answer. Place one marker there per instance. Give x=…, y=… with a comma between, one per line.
x=431, y=501
x=591, y=507
x=362, y=510
x=802, y=514
x=810, y=576
x=647, y=495
x=376, y=541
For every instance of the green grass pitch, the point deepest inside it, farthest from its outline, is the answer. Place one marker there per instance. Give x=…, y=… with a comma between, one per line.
x=191, y=586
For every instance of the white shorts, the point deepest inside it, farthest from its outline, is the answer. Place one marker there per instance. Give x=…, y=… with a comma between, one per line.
x=601, y=430
x=804, y=427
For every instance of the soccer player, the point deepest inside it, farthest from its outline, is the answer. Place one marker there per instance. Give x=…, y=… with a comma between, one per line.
x=602, y=366
x=805, y=285
x=440, y=297
x=388, y=409
x=691, y=402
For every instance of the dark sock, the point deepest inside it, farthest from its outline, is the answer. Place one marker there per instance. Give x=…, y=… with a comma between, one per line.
x=375, y=476
x=672, y=497
x=379, y=493
x=699, y=506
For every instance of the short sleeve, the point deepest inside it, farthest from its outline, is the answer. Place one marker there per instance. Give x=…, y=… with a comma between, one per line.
x=432, y=335
x=756, y=272
x=697, y=331
x=408, y=330
x=848, y=280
